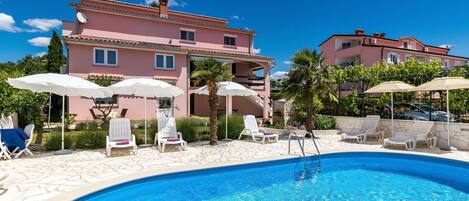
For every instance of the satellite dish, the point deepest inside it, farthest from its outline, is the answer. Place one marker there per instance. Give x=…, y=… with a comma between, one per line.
x=81, y=17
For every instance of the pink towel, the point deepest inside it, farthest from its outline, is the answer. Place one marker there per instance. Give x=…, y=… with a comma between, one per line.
x=122, y=142
x=172, y=139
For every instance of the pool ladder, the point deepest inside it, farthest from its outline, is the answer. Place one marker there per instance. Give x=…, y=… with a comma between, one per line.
x=301, y=143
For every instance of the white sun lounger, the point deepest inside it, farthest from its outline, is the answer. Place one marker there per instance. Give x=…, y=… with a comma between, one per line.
x=119, y=134
x=369, y=126
x=169, y=135
x=418, y=132
x=252, y=129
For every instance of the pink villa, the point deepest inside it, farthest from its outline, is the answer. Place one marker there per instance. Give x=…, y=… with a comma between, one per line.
x=359, y=48
x=121, y=40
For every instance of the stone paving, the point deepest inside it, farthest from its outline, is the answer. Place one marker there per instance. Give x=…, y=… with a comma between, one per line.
x=45, y=175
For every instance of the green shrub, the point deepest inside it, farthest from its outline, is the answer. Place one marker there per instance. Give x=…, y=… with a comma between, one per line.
x=188, y=126
x=80, y=127
x=91, y=139
x=92, y=126
x=54, y=141
x=324, y=122
x=235, y=126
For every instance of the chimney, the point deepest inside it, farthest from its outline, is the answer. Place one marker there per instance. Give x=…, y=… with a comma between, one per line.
x=359, y=32
x=164, y=8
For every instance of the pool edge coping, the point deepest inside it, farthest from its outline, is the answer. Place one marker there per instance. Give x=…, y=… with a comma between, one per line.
x=104, y=184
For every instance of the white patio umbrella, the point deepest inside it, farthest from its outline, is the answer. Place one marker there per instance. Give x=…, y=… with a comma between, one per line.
x=391, y=87
x=145, y=87
x=445, y=84
x=63, y=85
x=228, y=89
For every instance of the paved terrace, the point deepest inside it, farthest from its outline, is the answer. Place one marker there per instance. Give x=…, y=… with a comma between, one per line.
x=45, y=175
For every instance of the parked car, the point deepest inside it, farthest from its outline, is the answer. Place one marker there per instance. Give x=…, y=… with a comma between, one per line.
x=419, y=111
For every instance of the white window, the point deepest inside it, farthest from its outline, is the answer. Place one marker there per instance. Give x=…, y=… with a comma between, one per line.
x=187, y=34
x=105, y=57
x=164, y=61
x=393, y=58
x=230, y=40
x=406, y=45
x=457, y=63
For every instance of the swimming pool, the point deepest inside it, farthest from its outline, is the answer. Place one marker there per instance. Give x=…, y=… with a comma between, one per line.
x=339, y=176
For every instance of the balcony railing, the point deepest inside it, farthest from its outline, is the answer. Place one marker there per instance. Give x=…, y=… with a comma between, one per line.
x=257, y=83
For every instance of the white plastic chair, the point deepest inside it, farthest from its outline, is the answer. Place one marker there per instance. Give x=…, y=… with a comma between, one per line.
x=252, y=129
x=417, y=132
x=119, y=130
x=4, y=152
x=369, y=126
x=29, y=130
x=169, y=135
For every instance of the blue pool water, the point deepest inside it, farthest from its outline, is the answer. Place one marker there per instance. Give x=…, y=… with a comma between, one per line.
x=342, y=176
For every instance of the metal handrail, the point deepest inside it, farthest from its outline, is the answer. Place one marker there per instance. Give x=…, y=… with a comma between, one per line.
x=315, y=144
x=299, y=143
x=302, y=144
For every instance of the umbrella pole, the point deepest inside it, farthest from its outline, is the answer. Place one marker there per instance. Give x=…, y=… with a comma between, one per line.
x=392, y=114
x=226, y=118
x=447, y=116
x=63, y=122
x=48, y=115
x=145, y=99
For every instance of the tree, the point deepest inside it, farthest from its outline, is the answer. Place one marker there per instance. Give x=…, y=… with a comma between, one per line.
x=55, y=56
x=154, y=4
x=105, y=109
x=26, y=104
x=309, y=78
x=210, y=72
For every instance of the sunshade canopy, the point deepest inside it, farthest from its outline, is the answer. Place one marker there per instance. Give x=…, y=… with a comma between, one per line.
x=444, y=83
x=145, y=87
x=391, y=86
x=228, y=88
x=60, y=84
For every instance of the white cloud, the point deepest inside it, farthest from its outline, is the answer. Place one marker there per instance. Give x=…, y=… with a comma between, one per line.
x=256, y=50
x=40, y=54
x=39, y=41
x=287, y=62
x=172, y=3
x=237, y=17
x=7, y=23
x=279, y=75
x=448, y=46
x=42, y=25
x=177, y=3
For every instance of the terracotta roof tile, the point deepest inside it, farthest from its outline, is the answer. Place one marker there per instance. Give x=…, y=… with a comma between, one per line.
x=166, y=78
x=107, y=75
x=84, y=38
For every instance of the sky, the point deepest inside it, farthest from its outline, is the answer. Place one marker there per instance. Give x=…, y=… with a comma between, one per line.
x=282, y=27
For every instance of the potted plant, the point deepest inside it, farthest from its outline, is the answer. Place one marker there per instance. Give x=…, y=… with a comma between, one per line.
x=324, y=125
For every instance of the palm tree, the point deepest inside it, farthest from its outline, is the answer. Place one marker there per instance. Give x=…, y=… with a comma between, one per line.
x=308, y=78
x=210, y=72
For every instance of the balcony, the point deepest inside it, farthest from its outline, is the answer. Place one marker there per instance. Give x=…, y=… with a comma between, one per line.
x=348, y=52
x=257, y=83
